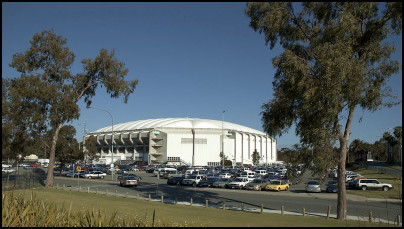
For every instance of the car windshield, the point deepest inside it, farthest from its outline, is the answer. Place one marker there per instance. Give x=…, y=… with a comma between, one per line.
x=257, y=181
x=312, y=183
x=276, y=182
x=238, y=180
x=332, y=182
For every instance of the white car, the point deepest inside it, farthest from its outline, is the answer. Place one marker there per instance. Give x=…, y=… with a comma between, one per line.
x=239, y=182
x=192, y=180
x=365, y=184
x=7, y=170
x=95, y=174
x=225, y=175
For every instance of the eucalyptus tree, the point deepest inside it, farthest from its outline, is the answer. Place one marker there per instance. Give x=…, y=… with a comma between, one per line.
x=335, y=60
x=90, y=147
x=47, y=93
x=399, y=134
x=67, y=147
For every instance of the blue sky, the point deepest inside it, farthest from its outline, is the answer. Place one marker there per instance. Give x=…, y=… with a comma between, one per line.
x=191, y=59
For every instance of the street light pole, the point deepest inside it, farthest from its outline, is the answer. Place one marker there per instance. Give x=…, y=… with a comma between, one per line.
x=223, y=139
x=112, y=140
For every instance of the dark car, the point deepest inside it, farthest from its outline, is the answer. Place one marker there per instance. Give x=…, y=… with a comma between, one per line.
x=38, y=170
x=332, y=186
x=207, y=182
x=175, y=180
x=149, y=170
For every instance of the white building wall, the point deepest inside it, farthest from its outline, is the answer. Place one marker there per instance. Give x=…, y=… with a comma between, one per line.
x=176, y=149
x=238, y=147
x=228, y=148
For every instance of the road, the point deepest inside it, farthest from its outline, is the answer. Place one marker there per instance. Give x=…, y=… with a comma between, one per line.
x=293, y=200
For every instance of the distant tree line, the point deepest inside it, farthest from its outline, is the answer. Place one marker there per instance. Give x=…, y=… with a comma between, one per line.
x=386, y=149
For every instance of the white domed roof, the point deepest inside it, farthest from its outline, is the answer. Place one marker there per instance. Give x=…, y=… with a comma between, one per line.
x=191, y=123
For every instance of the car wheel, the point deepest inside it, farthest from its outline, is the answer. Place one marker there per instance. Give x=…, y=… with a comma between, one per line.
x=89, y=177
x=364, y=187
x=385, y=188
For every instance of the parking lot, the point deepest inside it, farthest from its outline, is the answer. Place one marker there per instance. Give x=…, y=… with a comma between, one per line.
x=293, y=200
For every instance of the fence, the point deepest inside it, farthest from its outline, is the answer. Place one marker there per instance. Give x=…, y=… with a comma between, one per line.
x=225, y=205
x=23, y=179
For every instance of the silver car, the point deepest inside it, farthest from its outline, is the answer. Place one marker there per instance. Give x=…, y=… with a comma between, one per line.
x=257, y=184
x=313, y=186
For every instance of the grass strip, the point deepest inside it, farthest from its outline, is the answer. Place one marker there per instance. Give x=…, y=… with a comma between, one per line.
x=86, y=209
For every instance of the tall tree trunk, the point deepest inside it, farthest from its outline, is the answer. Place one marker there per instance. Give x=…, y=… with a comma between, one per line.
x=342, y=207
x=49, y=178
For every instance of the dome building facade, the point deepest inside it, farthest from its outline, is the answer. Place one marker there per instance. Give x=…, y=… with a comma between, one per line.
x=182, y=141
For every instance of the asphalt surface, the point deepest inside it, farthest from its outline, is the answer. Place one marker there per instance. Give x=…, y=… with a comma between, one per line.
x=293, y=201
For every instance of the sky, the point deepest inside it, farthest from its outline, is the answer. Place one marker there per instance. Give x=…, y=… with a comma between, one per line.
x=191, y=59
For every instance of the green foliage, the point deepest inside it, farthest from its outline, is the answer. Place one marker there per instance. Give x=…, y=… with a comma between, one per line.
x=358, y=149
x=18, y=211
x=67, y=147
x=256, y=157
x=335, y=60
x=46, y=94
x=91, y=148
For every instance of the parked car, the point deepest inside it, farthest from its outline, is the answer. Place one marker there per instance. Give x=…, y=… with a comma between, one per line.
x=149, y=169
x=313, y=186
x=192, y=180
x=277, y=185
x=257, y=184
x=225, y=175
x=332, y=186
x=95, y=174
x=7, y=170
x=239, y=183
x=353, y=182
x=208, y=182
x=173, y=173
x=365, y=184
x=175, y=180
x=121, y=171
x=221, y=183
x=350, y=177
x=128, y=181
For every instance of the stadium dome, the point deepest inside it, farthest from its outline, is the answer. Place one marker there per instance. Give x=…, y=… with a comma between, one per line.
x=188, y=141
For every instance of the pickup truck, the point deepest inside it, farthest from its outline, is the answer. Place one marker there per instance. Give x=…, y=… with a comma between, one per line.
x=239, y=182
x=192, y=180
x=95, y=174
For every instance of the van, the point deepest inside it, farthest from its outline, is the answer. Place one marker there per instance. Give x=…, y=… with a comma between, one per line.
x=261, y=172
x=249, y=174
x=163, y=170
